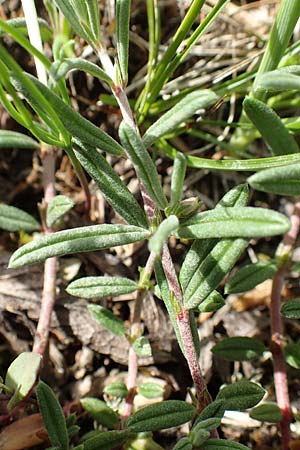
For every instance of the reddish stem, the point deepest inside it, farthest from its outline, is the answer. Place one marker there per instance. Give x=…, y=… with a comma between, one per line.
x=50, y=266
x=280, y=375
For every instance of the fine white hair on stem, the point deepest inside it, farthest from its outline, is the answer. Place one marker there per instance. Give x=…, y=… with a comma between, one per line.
x=34, y=36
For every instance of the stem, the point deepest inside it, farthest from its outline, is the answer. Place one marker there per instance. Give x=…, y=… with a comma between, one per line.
x=183, y=321
x=280, y=375
x=49, y=285
x=134, y=334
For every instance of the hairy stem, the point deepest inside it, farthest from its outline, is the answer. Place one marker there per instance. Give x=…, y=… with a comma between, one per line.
x=50, y=266
x=280, y=375
x=135, y=333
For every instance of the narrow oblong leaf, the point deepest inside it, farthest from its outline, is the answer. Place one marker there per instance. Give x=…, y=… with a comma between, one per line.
x=57, y=208
x=107, y=319
x=166, y=227
x=15, y=219
x=278, y=180
x=142, y=347
x=77, y=125
x=99, y=287
x=239, y=222
x=182, y=111
x=279, y=80
x=159, y=416
x=21, y=376
x=60, y=68
x=116, y=389
x=250, y=276
x=214, y=409
x=13, y=139
x=270, y=126
x=110, y=184
x=222, y=444
x=241, y=395
x=84, y=239
x=53, y=416
x=177, y=180
x=200, y=274
x=100, y=411
x=122, y=29
x=107, y=440
x=239, y=348
x=92, y=7
x=291, y=309
x=266, y=412
x=212, y=302
x=183, y=444
x=292, y=354
x=143, y=164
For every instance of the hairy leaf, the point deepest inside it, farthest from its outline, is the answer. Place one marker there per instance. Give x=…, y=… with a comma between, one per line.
x=166, y=227
x=159, y=416
x=15, y=219
x=292, y=354
x=53, y=416
x=150, y=390
x=266, y=412
x=143, y=164
x=13, y=139
x=99, y=410
x=142, y=347
x=221, y=444
x=110, y=184
x=98, y=287
x=83, y=239
x=270, y=126
x=291, y=309
x=212, y=302
x=57, y=208
x=107, y=319
x=250, y=276
x=182, y=111
x=60, y=68
x=241, y=395
x=107, y=440
x=239, y=348
x=122, y=25
x=239, y=222
x=278, y=180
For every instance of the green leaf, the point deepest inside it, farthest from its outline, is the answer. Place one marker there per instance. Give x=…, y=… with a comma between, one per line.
x=221, y=444
x=77, y=125
x=177, y=180
x=60, y=68
x=165, y=228
x=53, y=416
x=214, y=409
x=122, y=31
x=110, y=184
x=150, y=390
x=198, y=437
x=159, y=416
x=278, y=180
x=239, y=348
x=208, y=261
x=183, y=444
x=84, y=239
x=239, y=222
x=99, y=287
x=57, y=208
x=266, y=412
x=212, y=302
x=21, y=376
x=144, y=166
x=270, y=126
x=250, y=276
x=279, y=80
x=13, y=139
x=292, y=354
x=99, y=410
x=107, y=319
x=19, y=23
x=208, y=424
x=116, y=389
x=92, y=7
x=15, y=219
x=177, y=115
x=107, y=440
x=291, y=309
x=142, y=347
x=241, y=395
x=77, y=19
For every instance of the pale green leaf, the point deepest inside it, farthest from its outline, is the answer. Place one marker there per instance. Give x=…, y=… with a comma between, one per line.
x=142, y=347
x=278, y=180
x=84, y=239
x=165, y=229
x=57, y=208
x=60, y=68
x=99, y=410
x=107, y=319
x=122, y=31
x=13, y=139
x=15, y=219
x=99, y=287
